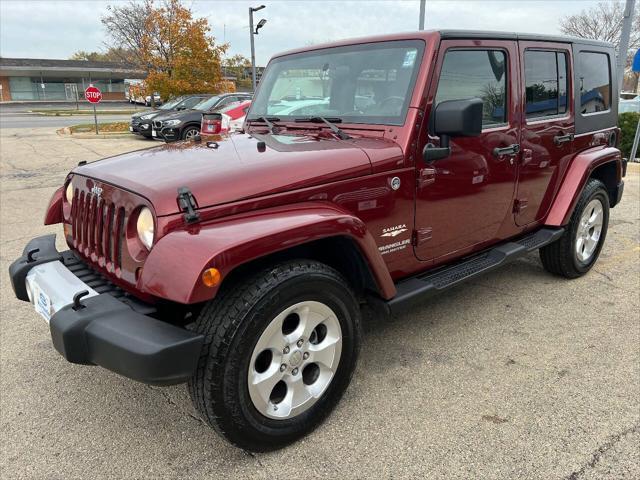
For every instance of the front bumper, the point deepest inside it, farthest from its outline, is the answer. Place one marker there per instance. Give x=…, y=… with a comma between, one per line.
x=115, y=333
x=171, y=134
x=144, y=129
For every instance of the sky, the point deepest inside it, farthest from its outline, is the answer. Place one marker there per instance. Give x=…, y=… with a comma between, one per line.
x=57, y=29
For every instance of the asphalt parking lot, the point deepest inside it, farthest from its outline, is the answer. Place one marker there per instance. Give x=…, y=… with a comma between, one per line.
x=516, y=375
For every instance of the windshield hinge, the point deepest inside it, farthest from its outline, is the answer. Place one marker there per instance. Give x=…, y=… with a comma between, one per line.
x=187, y=204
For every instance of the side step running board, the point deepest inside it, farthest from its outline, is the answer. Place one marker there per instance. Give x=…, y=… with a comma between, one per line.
x=415, y=289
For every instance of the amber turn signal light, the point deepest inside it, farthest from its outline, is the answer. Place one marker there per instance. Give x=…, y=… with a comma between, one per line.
x=211, y=277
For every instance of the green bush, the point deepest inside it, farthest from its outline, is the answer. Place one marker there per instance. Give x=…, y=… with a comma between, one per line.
x=628, y=122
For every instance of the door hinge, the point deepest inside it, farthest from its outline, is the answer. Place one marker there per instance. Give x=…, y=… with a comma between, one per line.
x=426, y=176
x=421, y=235
x=187, y=203
x=519, y=205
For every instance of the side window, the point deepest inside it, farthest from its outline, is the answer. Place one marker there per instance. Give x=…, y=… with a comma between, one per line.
x=226, y=101
x=192, y=101
x=476, y=74
x=545, y=74
x=595, y=82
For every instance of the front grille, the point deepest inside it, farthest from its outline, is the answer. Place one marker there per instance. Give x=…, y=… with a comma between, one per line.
x=97, y=228
x=157, y=124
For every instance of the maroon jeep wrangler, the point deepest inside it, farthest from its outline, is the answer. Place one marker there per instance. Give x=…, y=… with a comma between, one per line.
x=381, y=170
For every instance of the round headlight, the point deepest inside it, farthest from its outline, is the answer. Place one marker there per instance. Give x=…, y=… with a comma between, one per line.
x=69, y=193
x=145, y=227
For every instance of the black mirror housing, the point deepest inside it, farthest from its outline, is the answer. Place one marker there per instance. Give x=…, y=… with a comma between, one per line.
x=453, y=118
x=458, y=118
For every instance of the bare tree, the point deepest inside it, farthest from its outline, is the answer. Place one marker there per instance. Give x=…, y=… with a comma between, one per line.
x=125, y=26
x=602, y=22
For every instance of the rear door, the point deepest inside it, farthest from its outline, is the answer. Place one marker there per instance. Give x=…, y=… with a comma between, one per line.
x=547, y=127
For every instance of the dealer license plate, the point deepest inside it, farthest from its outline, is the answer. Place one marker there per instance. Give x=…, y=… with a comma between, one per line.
x=42, y=302
x=52, y=286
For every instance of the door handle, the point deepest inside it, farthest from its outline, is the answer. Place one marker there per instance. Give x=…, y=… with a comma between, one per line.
x=560, y=139
x=510, y=150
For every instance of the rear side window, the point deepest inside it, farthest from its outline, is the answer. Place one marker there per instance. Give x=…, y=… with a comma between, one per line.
x=545, y=83
x=192, y=101
x=476, y=74
x=595, y=82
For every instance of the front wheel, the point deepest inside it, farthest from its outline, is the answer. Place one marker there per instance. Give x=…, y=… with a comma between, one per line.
x=190, y=132
x=577, y=250
x=280, y=349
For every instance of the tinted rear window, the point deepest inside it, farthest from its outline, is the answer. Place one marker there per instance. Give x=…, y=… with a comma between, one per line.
x=546, y=83
x=595, y=82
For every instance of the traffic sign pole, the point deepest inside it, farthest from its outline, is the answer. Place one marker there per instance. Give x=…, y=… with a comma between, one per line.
x=95, y=117
x=93, y=95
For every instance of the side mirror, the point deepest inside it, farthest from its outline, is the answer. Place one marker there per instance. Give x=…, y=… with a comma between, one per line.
x=181, y=108
x=454, y=118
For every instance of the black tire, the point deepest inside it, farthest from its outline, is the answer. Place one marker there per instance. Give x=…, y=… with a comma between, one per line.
x=188, y=130
x=560, y=257
x=232, y=324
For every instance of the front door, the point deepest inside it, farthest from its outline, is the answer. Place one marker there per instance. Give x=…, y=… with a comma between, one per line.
x=548, y=127
x=463, y=201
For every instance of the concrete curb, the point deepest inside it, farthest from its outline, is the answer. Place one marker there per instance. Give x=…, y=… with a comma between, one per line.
x=67, y=131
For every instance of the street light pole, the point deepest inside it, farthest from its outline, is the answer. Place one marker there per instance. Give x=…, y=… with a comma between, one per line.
x=623, y=50
x=422, y=12
x=253, y=48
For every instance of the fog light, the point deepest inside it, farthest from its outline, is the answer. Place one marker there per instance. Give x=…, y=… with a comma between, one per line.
x=211, y=277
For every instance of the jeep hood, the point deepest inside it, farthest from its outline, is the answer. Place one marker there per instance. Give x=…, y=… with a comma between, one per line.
x=237, y=167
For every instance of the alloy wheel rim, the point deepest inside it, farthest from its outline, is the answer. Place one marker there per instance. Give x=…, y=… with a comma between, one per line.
x=295, y=360
x=589, y=230
x=190, y=134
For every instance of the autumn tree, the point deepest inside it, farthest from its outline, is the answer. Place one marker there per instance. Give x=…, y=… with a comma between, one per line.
x=177, y=50
x=239, y=66
x=117, y=55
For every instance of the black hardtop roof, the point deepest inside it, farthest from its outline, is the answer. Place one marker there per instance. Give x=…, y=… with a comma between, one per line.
x=535, y=37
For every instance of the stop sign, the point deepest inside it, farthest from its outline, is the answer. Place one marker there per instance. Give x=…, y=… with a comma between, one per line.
x=93, y=94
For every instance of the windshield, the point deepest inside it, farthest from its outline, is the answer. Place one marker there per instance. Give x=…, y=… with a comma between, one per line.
x=206, y=104
x=169, y=105
x=370, y=83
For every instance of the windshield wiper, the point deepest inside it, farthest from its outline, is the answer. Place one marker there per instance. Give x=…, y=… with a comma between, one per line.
x=330, y=122
x=268, y=121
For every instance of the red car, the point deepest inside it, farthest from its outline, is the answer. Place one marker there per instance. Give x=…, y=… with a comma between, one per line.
x=381, y=171
x=230, y=119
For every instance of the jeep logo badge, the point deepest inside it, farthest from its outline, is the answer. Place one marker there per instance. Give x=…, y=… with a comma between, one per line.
x=97, y=191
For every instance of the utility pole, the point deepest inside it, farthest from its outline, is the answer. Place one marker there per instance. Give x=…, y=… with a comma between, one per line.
x=627, y=21
x=422, y=12
x=253, y=48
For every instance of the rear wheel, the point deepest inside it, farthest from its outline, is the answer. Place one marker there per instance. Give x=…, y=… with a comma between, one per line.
x=190, y=132
x=577, y=250
x=280, y=349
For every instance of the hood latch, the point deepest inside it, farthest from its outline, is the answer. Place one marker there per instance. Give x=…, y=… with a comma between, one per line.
x=187, y=203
